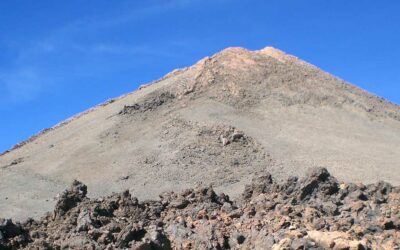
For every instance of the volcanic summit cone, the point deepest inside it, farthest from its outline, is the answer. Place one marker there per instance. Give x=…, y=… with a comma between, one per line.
x=219, y=122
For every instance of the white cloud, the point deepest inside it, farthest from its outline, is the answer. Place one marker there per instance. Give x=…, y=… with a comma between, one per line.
x=24, y=83
x=103, y=48
x=21, y=86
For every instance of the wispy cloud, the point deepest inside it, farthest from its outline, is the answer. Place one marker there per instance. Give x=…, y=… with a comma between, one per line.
x=21, y=85
x=33, y=70
x=124, y=49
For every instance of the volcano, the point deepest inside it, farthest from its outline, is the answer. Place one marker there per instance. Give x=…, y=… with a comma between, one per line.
x=229, y=117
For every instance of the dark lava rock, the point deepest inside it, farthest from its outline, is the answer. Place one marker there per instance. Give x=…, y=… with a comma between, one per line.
x=314, y=212
x=318, y=181
x=70, y=198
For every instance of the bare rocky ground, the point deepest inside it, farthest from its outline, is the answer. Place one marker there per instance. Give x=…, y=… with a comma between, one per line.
x=220, y=122
x=314, y=212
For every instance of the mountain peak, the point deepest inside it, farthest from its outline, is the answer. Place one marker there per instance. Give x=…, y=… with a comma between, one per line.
x=234, y=50
x=277, y=54
x=228, y=117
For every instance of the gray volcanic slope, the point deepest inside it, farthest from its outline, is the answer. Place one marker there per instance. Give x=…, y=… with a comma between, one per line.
x=221, y=121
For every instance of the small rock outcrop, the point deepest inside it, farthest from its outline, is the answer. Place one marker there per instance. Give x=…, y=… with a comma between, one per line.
x=313, y=212
x=150, y=103
x=70, y=198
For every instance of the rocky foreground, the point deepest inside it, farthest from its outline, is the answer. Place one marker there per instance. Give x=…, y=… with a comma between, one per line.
x=315, y=212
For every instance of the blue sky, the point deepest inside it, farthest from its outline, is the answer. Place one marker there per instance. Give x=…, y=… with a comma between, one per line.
x=59, y=58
